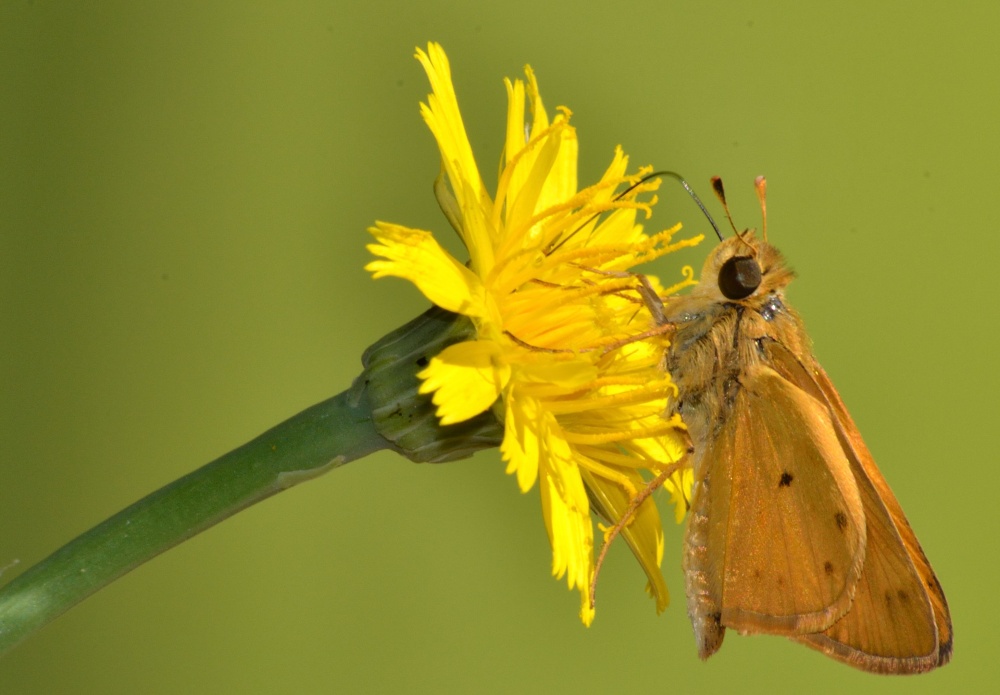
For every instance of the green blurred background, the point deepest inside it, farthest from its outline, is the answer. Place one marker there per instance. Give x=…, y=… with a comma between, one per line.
x=184, y=193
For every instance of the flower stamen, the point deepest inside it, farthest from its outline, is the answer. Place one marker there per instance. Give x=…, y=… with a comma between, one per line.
x=616, y=436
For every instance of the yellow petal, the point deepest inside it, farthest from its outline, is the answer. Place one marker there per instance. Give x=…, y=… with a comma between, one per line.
x=670, y=447
x=679, y=486
x=644, y=534
x=478, y=233
x=466, y=379
x=572, y=532
x=443, y=117
x=567, y=518
x=539, y=117
x=534, y=444
x=527, y=183
x=560, y=183
x=517, y=134
x=520, y=447
x=415, y=255
x=570, y=374
x=519, y=157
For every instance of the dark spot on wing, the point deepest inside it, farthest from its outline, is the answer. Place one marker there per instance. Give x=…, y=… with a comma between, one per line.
x=756, y=573
x=903, y=596
x=786, y=479
x=781, y=581
x=828, y=567
x=841, y=520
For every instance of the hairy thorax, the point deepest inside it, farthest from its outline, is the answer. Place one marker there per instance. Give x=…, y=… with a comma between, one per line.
x=713, y=346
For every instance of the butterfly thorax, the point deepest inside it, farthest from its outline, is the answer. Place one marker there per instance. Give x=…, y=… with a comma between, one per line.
x=717, y=339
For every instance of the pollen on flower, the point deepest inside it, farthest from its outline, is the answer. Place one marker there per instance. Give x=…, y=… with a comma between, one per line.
x=566, y=351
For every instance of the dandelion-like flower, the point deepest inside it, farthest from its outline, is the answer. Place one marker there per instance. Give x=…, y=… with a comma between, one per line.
x=566, y=352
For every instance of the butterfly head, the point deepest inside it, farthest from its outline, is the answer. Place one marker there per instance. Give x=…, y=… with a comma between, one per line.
x=743, y=268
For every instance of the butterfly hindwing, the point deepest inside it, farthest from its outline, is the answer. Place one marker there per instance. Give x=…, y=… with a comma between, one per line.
x=899, y=620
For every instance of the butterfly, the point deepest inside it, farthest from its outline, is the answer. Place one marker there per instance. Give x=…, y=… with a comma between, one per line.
x=792, y=529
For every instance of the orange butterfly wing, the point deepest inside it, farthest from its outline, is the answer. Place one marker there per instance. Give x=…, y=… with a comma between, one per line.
x=899, y=621
x=777, y=544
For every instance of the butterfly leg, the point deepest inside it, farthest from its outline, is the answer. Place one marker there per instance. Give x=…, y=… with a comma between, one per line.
x=626, y=519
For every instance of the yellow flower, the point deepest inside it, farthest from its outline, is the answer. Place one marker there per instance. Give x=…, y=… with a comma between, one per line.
x=566, y=352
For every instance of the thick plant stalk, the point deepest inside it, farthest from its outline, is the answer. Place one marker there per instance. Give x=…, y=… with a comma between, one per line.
x=384, y=409
x=317, y=440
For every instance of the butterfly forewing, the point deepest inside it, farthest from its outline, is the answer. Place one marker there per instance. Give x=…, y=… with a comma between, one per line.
x=784, y=511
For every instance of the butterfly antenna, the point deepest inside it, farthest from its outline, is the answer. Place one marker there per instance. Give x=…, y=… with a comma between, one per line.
x=760, y=184
x=694, y=197
x=559, y=241
x=720, y=193
x=684, y=183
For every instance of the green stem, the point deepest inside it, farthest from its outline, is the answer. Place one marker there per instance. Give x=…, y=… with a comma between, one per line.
x=384, y=409
x=317, y=440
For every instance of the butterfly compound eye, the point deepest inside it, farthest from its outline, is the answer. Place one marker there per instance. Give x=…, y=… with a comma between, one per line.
x=739, y=277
